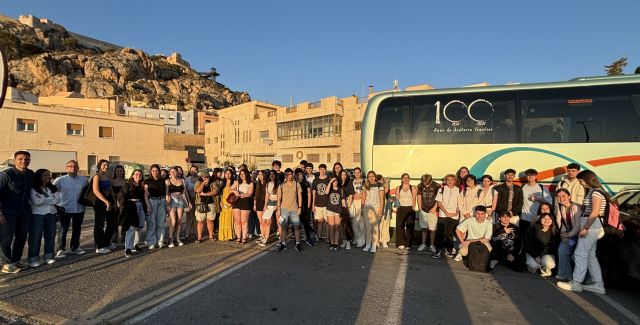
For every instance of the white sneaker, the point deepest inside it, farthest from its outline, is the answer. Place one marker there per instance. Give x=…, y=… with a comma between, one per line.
x=60, y=254
x=103, y=250
x=160, y=245
x=493, y=264
x=401, y=247
x=367, y=248
x=571, y=286
x=51, y=261
x=422, y=247
x=348, y=245
x=152, y=247
x=34, y=264
x=344, y=244
x=432, y=249
x=180, y=243
x=453, y=251
x=595, y=287
x=171, y=245
x=77, y=251
x=385, y=245
x=545, y=273
x=458, y=258
x=373, y=249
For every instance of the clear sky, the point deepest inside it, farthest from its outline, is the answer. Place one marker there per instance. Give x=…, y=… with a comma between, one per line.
x=315, y=49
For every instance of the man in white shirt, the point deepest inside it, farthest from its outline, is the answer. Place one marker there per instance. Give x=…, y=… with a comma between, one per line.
x=571, y=183
x=449, y=213
x=533, y=193
x=70, y=187
x=475, y=231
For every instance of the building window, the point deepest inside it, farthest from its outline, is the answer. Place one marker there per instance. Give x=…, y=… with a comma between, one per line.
x=287, y=158
x=172, y=117
x=105, y=132
x=356, y=157
x=338, y=157
x=271, y=114
x=328, y=157
x=133, y=113
x=149, y=115
x=215, y=140
x=317, y=127
x=114, y=158
x=264, y=134
x=313, y=157
x=74, y=129
x=26, y=125
x=200, y=151
x=163, y=116
x=357, y=125
x=183, y=119
x=208, y=140
x=291, y=109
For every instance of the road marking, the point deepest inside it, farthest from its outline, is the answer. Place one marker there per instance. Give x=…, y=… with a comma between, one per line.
x=394, y=313
x=192, y=290
x=621, y=309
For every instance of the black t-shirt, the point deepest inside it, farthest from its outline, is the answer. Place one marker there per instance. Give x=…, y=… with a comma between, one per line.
x=506, y=243
x=334, y=202
x=156, y=187
x=304, y=186
x=428, y=195
x=321, y=186
x=355, y=187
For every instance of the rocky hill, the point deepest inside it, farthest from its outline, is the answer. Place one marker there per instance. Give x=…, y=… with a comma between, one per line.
x=48, y=59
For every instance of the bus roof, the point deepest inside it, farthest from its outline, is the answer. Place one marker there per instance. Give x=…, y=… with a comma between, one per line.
x=576, y=82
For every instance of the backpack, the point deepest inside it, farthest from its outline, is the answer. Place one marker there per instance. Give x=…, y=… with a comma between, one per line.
x=477, y=258
x=611, y=221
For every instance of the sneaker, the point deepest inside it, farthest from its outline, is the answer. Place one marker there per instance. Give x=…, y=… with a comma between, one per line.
x=50, y=261
x=171, y=244
x=408, y=248
x=21, y=265
x=432, y=249
x=366, y=248
x=10, y=268
x=493, y=264
x=545, y=273
x=453, y=251
x=152, y=247
x=348, y=245
x=422, y=247
x=60, y=254
x=298, y=248
x=283, y=247
x=563, y=277
x=34, y=264
x=308, y=242
x=595, y=287
x=360, y=246
x=180, y=243
x=103, y=250
x=450, y=253
x=458, y=258
x=385, y=245
x=77, y=251
x=373, y=249
x=437, y=255
x=127, y=253
x=401, y=247
x=571, y=286
x=262, y=244
x=344, y=244
x=112, y=247
x=160, y=245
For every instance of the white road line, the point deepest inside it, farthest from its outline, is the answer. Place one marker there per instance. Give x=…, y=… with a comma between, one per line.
x=621, y=309
x=191, y=291
x=394, y=313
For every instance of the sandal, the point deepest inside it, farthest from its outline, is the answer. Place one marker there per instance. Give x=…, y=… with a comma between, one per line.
x=198, y=241
x=244, y=241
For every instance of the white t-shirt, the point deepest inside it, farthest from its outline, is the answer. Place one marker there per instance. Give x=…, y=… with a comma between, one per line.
x=475, y=229
x=530, y=208
x=449, y=198
x=373, y=195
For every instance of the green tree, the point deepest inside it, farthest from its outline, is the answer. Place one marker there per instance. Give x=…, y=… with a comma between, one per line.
x=617, y=67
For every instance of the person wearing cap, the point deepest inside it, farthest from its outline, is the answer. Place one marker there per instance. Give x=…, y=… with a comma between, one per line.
x=507, y=243
x=533, y=194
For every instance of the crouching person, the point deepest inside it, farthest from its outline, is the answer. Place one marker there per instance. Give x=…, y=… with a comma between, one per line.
x=474, y=236
x=506, y=244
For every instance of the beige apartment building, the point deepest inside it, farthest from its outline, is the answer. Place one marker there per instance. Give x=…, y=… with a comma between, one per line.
x=256, y=133
x=91, y=130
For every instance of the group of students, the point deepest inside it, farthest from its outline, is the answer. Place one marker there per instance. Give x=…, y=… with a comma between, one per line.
x=465, y=218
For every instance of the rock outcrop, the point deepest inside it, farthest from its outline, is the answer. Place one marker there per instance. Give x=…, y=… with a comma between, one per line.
x=45, y=62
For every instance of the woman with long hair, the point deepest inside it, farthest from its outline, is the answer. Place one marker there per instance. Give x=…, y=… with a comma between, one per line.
x=334, y=207
x=104, y=208
x=154, y=195
x=177, y=202
x=468, y=198
x=43, y=199
x=260, y=198
x=344, y=182
x=540, y=245
x=460, y=176
x=405, y=215
x=190, y=182
x=117, y=184
x=567, y=219
x=133, y=211
x=225, y=228
x=372, y=201
x=271, y=203
x=590, y=229
x=337, y=168
x=243, y=187
x=485, y=196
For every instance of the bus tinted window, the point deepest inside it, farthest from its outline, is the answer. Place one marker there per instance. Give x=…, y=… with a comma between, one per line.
x=578, y=115
x=393, y=121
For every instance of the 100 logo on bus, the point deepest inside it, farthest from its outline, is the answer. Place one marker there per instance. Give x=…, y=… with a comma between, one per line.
x=480, y=110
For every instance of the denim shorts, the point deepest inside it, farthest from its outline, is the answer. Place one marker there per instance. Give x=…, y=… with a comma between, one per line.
x=178, y=202
x=289, y=215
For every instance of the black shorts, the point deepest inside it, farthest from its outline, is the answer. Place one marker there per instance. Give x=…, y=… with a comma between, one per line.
x=245, y=203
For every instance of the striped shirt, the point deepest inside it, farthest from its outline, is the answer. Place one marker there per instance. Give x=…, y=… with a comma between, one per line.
x=587, y=205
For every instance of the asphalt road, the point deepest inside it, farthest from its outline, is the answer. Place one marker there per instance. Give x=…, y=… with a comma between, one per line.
x=225, y=283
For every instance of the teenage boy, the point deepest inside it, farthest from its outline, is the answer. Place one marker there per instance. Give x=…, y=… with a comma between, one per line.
x=289, y=208
x=15, y=211
x=507, y=243
x=533, y=194
x=319, y=192
x=277, y=165
x=70, y=187
x=475, y=232
x=571, y=183
x=508, y=197
x=305, y=215
x=427, y=207
x=449, y=214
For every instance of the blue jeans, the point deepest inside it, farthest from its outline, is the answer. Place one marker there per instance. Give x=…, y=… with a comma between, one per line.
x=289, y=215
x=13, y=236
x=66, y=221
x=565, y=269
x=42, y=224
x=156, y=221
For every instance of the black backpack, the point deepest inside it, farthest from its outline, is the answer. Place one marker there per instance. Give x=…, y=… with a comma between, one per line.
x=478, y=257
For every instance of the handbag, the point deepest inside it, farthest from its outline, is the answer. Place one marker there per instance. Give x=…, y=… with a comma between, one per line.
x=232, y=198
x=87, y=197
x=202, y=208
